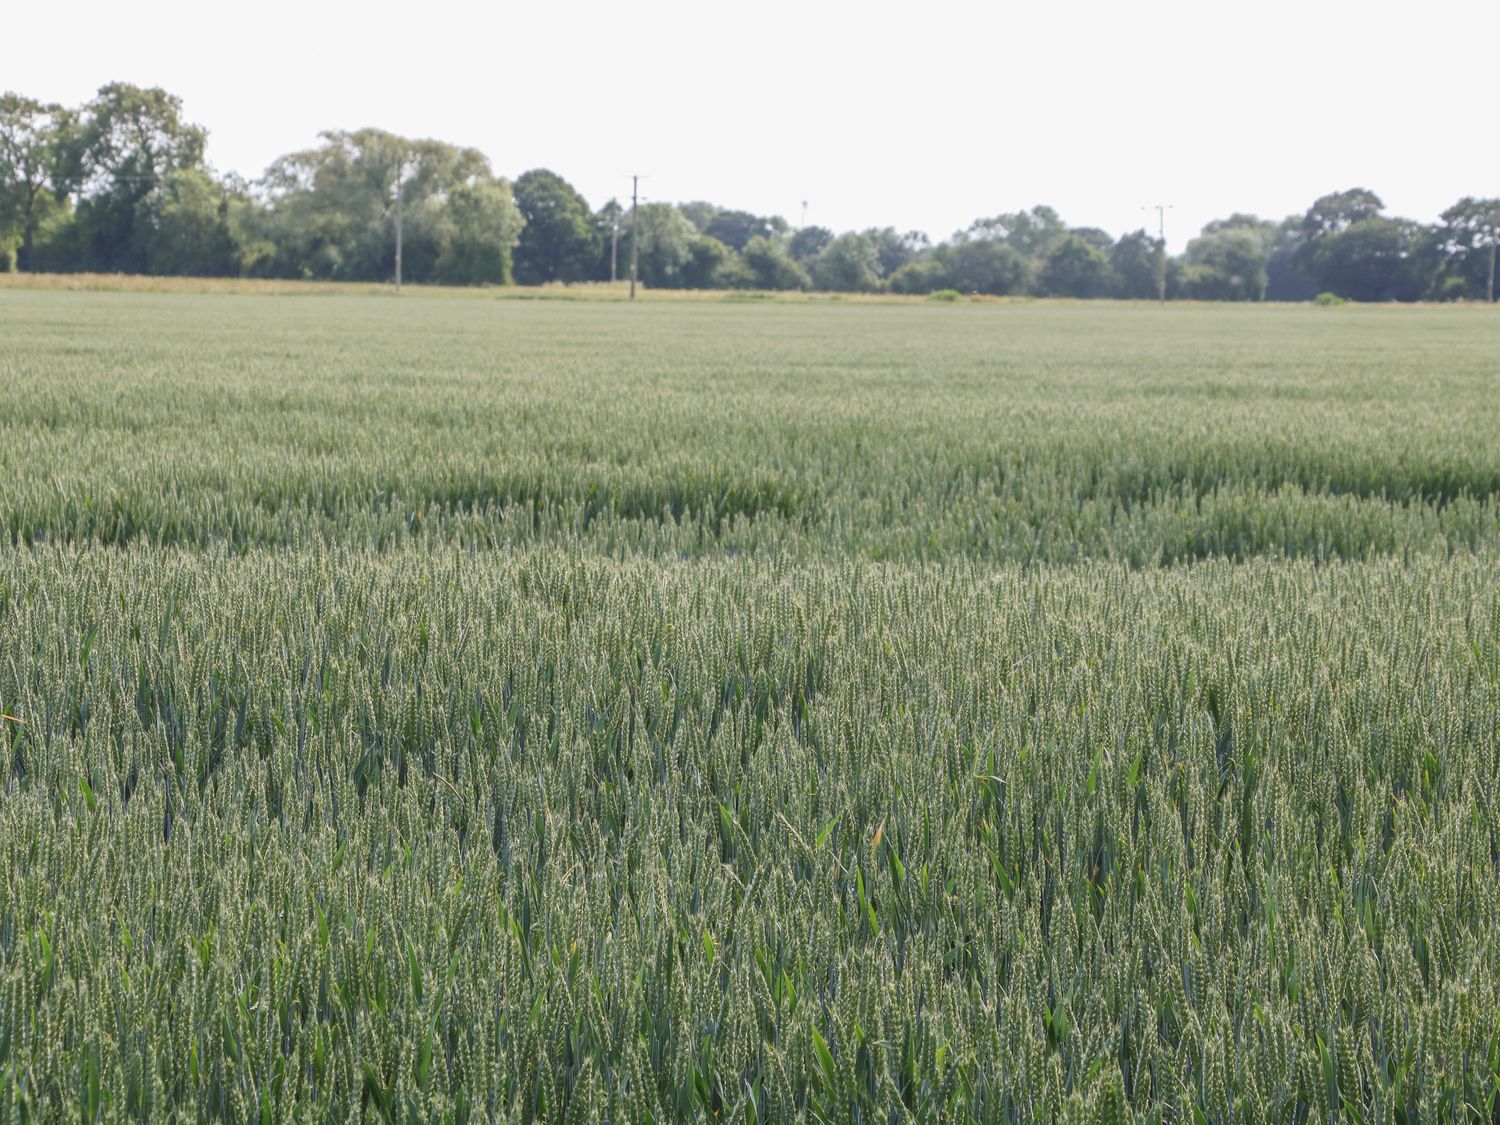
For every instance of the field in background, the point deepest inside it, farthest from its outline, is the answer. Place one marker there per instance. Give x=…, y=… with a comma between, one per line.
x=1026, y=433
x=470, y=709
x=580, y=291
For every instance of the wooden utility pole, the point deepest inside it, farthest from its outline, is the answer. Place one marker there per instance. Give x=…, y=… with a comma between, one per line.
x=1161, y=210
x=635, y=247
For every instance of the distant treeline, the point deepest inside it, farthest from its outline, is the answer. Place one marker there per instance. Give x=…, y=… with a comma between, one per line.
x=120, y=185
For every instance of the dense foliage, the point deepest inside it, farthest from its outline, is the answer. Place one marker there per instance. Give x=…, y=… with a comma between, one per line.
x=119, y=186
x=477, y=710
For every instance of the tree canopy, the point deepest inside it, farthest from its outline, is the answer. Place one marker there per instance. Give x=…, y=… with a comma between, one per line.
x=31, y=139
x=558, y=240
x=120, y=184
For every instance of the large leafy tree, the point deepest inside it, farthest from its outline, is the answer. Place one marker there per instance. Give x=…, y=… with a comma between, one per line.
x=807, y=243
x=332, y=209
x=924, y=275
x=125, y=143
x=184, y=228
x=1350, y=248
x=772, y=267
x=674, y=254
x=1074, y=267
x=894, y=249
x=1100, y=240
x=1469, y=238
x=664, y=241
x=1265, y=231
x=1229, y=265
x=712, y=265
x=735, y=229
x=560, y=241
x=482, y=226
x=985, y=265
x=1373, y=259
x=1286, y=280
x=699, y=212
x=848, y=264
x=1337, y=211
x=1031, y=233
x=1136, y=261
x=1227, y=262
x=31, y=134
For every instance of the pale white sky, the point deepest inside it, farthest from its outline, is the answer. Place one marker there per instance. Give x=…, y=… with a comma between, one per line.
x=920, y=116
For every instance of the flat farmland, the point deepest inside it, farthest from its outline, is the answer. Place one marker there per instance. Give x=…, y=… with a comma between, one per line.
x=484, y=709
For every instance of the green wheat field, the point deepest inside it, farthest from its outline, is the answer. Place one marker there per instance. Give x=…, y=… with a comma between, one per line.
x=533, y=710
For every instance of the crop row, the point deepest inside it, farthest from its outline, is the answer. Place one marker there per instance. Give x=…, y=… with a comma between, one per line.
x=545, y=836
